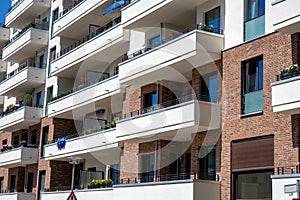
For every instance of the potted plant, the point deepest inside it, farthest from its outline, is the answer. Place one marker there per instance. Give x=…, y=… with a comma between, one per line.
x=23, y=143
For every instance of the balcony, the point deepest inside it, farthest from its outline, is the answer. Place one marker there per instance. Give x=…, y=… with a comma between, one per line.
x=17, y=196
x=106, y=44
x=63, y=106
x=18, y=118
x=165, y=61
x=144, y=13
x=102, y=144
x=22, y=80
x=284, y=16
x=17, y=157
x=284, y=98
x=179, y=118
x=26, y=43
x=79, y=15
x=25, y=11
x=175, y=190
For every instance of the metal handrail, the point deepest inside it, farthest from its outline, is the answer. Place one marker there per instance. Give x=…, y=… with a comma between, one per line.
x=165, y=40
x=170, y=103
x=288, y=75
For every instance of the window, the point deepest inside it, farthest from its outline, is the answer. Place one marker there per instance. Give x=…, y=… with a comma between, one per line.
x=1, y=184
x=208, y=163
x=16, y=140
x=54, y=15
x=39, y=100
x=30, y=182
x=147, y=167
x=12, y=187
x=4, y=141
x=52, y=54
x=212, y=18
x=114, y=173
x=254, y=19
x=49, y=93
x=209, y=88
x=252, y=75
x=150, y=99
x=255, y=185
x=41, y=62
x=34, y=137
x=153, y=42
x=44, y=139
x=254, y=9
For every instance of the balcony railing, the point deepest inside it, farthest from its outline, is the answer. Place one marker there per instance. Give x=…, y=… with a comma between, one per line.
x=43, y=26
x=170, y=177
x=75, y=4
x=174, y=102
x=15, y=108
x=284, y=76
x=174, y=36
x=100, y=30
x=17, y=71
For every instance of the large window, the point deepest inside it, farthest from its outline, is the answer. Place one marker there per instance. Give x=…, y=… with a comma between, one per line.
x=254, y=19
x=212, y=18
x=252, y=85
x=209, y=88
x=208, y=163
x=256, y=185
x=147, y=167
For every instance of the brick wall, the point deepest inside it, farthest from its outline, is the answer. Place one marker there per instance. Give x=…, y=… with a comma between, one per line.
x=277, y=54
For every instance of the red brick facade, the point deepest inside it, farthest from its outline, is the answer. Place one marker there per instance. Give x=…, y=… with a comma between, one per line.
x=276, y=50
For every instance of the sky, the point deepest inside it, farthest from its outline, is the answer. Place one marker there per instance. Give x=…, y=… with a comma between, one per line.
x=4, y=5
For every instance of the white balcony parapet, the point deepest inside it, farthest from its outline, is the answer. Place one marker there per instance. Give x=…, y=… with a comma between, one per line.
x=22, y=81
x=175, y=190
x=85, y=96
x=25, y=11
x=191, y=116
x=285, y=99
x=20, y=118
x=197, y=47
x=25, y=45
x=112, y=38
x=104, y=142
x=21, y=156
x=280, y=182
x=284, y=15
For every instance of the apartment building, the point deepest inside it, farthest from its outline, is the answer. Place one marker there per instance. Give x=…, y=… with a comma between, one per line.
x=187, y=106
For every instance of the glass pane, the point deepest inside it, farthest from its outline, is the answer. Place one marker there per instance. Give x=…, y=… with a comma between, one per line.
x=153, y=42
x=254, y=186
x=212, y=17
x=154, y=99
x=255, y=28
x=253, y=102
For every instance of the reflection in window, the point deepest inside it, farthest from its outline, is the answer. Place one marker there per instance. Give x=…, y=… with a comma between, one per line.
x=254, y=185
